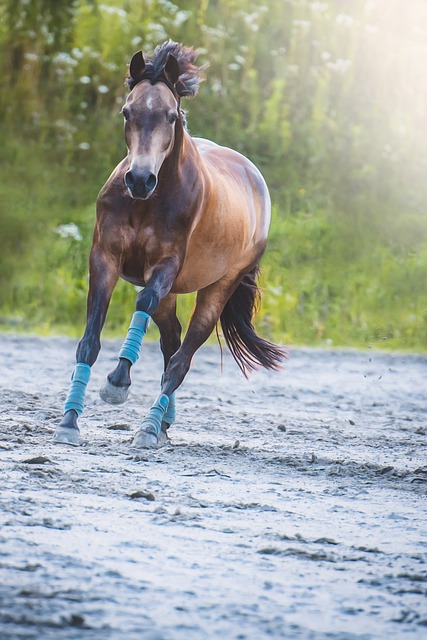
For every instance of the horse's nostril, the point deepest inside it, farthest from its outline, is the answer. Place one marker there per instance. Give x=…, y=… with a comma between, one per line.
x=151, y=182
x=129, y=180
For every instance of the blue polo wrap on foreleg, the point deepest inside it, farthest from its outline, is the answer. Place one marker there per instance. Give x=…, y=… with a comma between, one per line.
x=76, y=395
x=137, y=330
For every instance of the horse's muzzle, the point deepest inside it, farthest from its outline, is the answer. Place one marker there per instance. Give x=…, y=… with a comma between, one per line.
x=140, y=184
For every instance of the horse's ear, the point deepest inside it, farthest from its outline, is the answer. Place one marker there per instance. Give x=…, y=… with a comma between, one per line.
x=171, y=70
x=137, y=66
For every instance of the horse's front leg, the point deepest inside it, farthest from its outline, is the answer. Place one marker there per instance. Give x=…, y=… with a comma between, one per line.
x=104, y=273
x=116, y=388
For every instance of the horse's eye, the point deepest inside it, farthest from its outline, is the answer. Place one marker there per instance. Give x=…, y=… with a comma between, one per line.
x=125, y=113
x=173, y=117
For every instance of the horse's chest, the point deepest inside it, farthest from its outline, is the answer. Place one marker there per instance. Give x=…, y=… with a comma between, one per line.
x=145, y=249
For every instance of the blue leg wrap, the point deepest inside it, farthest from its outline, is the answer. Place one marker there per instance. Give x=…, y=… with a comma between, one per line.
x=137, y=329
x=152, y=422
x=76, y=395
x=170, y=414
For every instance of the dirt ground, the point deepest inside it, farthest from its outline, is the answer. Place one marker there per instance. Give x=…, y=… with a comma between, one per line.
x=290, y=506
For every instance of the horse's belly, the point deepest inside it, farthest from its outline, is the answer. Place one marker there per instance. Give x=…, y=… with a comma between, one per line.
x=207, y=265
x=195, y=276
x=227, y=241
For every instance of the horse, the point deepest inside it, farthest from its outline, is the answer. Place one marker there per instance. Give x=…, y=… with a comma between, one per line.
x=178, y=214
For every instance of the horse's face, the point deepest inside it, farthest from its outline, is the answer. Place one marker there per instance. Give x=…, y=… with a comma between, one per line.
x=150, y=113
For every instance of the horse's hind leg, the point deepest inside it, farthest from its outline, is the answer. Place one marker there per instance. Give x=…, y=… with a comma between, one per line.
x=170, y=341
x=209, y=306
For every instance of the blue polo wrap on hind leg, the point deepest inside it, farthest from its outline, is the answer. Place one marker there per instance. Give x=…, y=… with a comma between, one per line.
x=170, y=413
x=153, y=420
x=76, y=395
x=137, y=330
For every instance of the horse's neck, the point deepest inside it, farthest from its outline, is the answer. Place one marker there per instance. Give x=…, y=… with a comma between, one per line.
x=184, y=161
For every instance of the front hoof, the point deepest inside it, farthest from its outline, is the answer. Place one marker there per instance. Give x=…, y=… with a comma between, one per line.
x=63, y=435
x=112, y=394
x=145, y=440
x=67, y=432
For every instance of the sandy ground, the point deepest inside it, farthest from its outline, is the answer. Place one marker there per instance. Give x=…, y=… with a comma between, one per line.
x=290, y=506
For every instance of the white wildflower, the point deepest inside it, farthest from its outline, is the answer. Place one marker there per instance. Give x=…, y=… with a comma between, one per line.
x=344, y=19
x=85, y=80
x=181, y=17
x=103, y=88
x=251, y=21
x=69, y=230
x=293, y=69
x=65, y=126
x=339, y=66
x=170, y=7
x=84, y=146
x=32, y=57
x=115, y=11
x=216, y=86
x=157, y=31
x=303, y=24
x=64, y=58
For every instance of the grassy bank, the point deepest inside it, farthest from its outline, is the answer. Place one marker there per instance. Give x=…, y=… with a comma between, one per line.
x=329, y=101
x=324, y=280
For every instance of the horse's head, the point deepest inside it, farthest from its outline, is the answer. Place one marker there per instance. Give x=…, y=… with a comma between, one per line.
x=150, y=112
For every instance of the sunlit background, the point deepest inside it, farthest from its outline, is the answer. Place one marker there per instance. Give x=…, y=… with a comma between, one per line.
x=328, y=98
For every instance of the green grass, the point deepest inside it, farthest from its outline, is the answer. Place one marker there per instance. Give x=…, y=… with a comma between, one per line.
x=325, y=280
x=323, y=285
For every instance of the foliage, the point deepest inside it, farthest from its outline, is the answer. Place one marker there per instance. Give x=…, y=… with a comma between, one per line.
x=327, y=97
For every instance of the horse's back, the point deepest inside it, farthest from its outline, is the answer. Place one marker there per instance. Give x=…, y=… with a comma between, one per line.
x=225, y=160
x=234, y=177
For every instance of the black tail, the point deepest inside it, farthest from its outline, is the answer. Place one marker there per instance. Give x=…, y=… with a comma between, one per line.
x=249, y=350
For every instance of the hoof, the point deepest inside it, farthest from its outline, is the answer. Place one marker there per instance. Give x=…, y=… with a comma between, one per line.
x=113, y=395
x=67, y=431
x=145, y=440
x=65, y=435
x=148, y=435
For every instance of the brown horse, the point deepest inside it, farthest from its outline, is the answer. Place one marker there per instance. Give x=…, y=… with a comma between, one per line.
x=178, y=214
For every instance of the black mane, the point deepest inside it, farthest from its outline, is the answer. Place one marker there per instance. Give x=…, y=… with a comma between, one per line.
x=190, y=75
